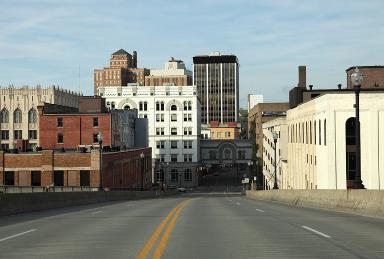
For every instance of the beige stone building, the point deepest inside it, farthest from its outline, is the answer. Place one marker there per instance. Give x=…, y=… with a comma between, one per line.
x=18, y=113
x=174, y=73
x=122, y=70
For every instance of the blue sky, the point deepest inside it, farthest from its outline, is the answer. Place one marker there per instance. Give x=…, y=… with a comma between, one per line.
x=44, y=42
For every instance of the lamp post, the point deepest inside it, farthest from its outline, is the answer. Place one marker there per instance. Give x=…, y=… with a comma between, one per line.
x=250, y=164
x=275, y=136
x=142, y=171
x=162, y=175
x=100, y=140
x=357, y=79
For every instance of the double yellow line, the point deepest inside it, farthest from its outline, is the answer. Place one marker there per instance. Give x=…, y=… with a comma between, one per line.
x=175, y=212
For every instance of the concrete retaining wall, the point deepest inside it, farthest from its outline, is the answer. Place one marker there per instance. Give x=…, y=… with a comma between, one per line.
x=12, y=203
x=362, y=202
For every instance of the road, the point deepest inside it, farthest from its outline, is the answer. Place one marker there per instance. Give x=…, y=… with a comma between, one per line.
x=191, y=226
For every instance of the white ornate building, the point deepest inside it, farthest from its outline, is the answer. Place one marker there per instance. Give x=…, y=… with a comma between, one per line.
x=173, y=114
x=18, y=112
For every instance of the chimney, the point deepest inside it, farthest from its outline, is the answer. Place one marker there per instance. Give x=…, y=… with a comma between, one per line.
x=134, y=59
x=302, y=77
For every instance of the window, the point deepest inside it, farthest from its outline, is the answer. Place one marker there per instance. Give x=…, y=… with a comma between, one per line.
x=60, y=122
x=187, y=157
x=145, y=106
x=58, y=178
x=159, y=117
x=96, y=122
x=173, y=157
x=314, y=126
x=9, y=178
x=32, y=116
x=5, y=134
x=17, y=116
x=159, y=131
x=160, y=144
x=241, y=154
x=174, y=175
x=212, y=154
x=36, y=178
x=162, y=106
x=162, y=158
x=174, y=144
x=127, y=107
x=187, y=175
x=173, y=107
x=227, y=134
x=350, y=129
x=60, y=138
x=185, y=105
x=4, y=116
x=140, y=106
x=173, y=117
x=85, y=178
x=32, y=134
x=190, y=106
x=325, y=132
x=173, y=131
x=159, y=106
x=310, y=132
x=95, y=139
x=18, y=134
x=319, y=132
x=187, y=117
x=188, y=144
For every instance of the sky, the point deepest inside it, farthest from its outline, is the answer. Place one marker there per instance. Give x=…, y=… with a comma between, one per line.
x=46, y=41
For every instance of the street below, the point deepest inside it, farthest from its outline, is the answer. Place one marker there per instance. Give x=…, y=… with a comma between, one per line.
x=191, y=225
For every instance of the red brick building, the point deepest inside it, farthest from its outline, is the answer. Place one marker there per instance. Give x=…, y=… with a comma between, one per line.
x=373, y=76
x=121, y=71
x=121, y=169
x=61, y=127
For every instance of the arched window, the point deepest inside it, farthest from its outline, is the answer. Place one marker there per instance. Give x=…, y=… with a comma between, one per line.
x=319, y=132
x=310, y=132
x=306, y=132
x=173, y=107
x=350, y=141
x=4, y=116
x=227, y=154
x=32, y=116
x=127, y=107
x=17, y=116
x=314, y=135
x=302, y=125
x=190, y=106
x=185, y=105
x=325, y=132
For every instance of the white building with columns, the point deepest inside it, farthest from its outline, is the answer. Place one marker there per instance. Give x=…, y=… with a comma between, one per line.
x=322, y=145
x=173, y=114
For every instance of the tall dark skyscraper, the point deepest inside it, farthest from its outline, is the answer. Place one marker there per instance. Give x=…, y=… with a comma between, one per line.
x=217, y=79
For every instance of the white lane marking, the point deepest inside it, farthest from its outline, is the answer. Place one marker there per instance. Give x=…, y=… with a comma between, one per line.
x=316, y=232
x=237, y=203
x=95, y=212
x=19, y=234
x=259, y=210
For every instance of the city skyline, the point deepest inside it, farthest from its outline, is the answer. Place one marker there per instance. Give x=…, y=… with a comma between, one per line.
x=45, y=43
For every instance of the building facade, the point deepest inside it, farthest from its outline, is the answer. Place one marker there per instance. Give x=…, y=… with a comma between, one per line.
x=174, y=73
x=47, y=168
x=216, y=77
x=19, y=116
x=322, y=144
x=279, y=126
x=373, y=76
x=261, y=113
x=122, y=70
x=230, y=130
x=173, y=114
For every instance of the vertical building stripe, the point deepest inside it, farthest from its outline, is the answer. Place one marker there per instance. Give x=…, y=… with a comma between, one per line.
x=221, y=92
x=207, y=97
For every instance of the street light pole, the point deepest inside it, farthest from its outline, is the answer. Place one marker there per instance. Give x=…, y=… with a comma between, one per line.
x=142, y=171
x=275, y=136
x=357, y=79
x=100, y=140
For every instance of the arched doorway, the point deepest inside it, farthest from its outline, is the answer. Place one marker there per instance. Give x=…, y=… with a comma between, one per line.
x=350, y=141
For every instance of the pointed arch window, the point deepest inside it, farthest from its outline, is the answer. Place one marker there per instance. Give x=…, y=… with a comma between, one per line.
x=17, y=116
x=4, y=116
x=32, y=116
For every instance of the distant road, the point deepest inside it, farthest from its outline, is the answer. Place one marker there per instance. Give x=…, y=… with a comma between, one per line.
x=191, y=226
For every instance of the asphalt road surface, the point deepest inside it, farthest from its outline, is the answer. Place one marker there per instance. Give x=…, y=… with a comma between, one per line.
x=191, y=226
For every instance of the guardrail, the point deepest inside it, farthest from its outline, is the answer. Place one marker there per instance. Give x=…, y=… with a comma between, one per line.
x=30, y=189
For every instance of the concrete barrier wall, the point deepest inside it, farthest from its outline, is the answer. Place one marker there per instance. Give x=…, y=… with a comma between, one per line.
x=362, y=202
x=12, y=203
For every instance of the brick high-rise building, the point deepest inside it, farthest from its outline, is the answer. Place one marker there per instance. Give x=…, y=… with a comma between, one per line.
x=122, y=70
x=217, y=79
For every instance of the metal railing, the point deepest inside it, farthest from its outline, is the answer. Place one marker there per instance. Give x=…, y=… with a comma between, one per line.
x=32, y=189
